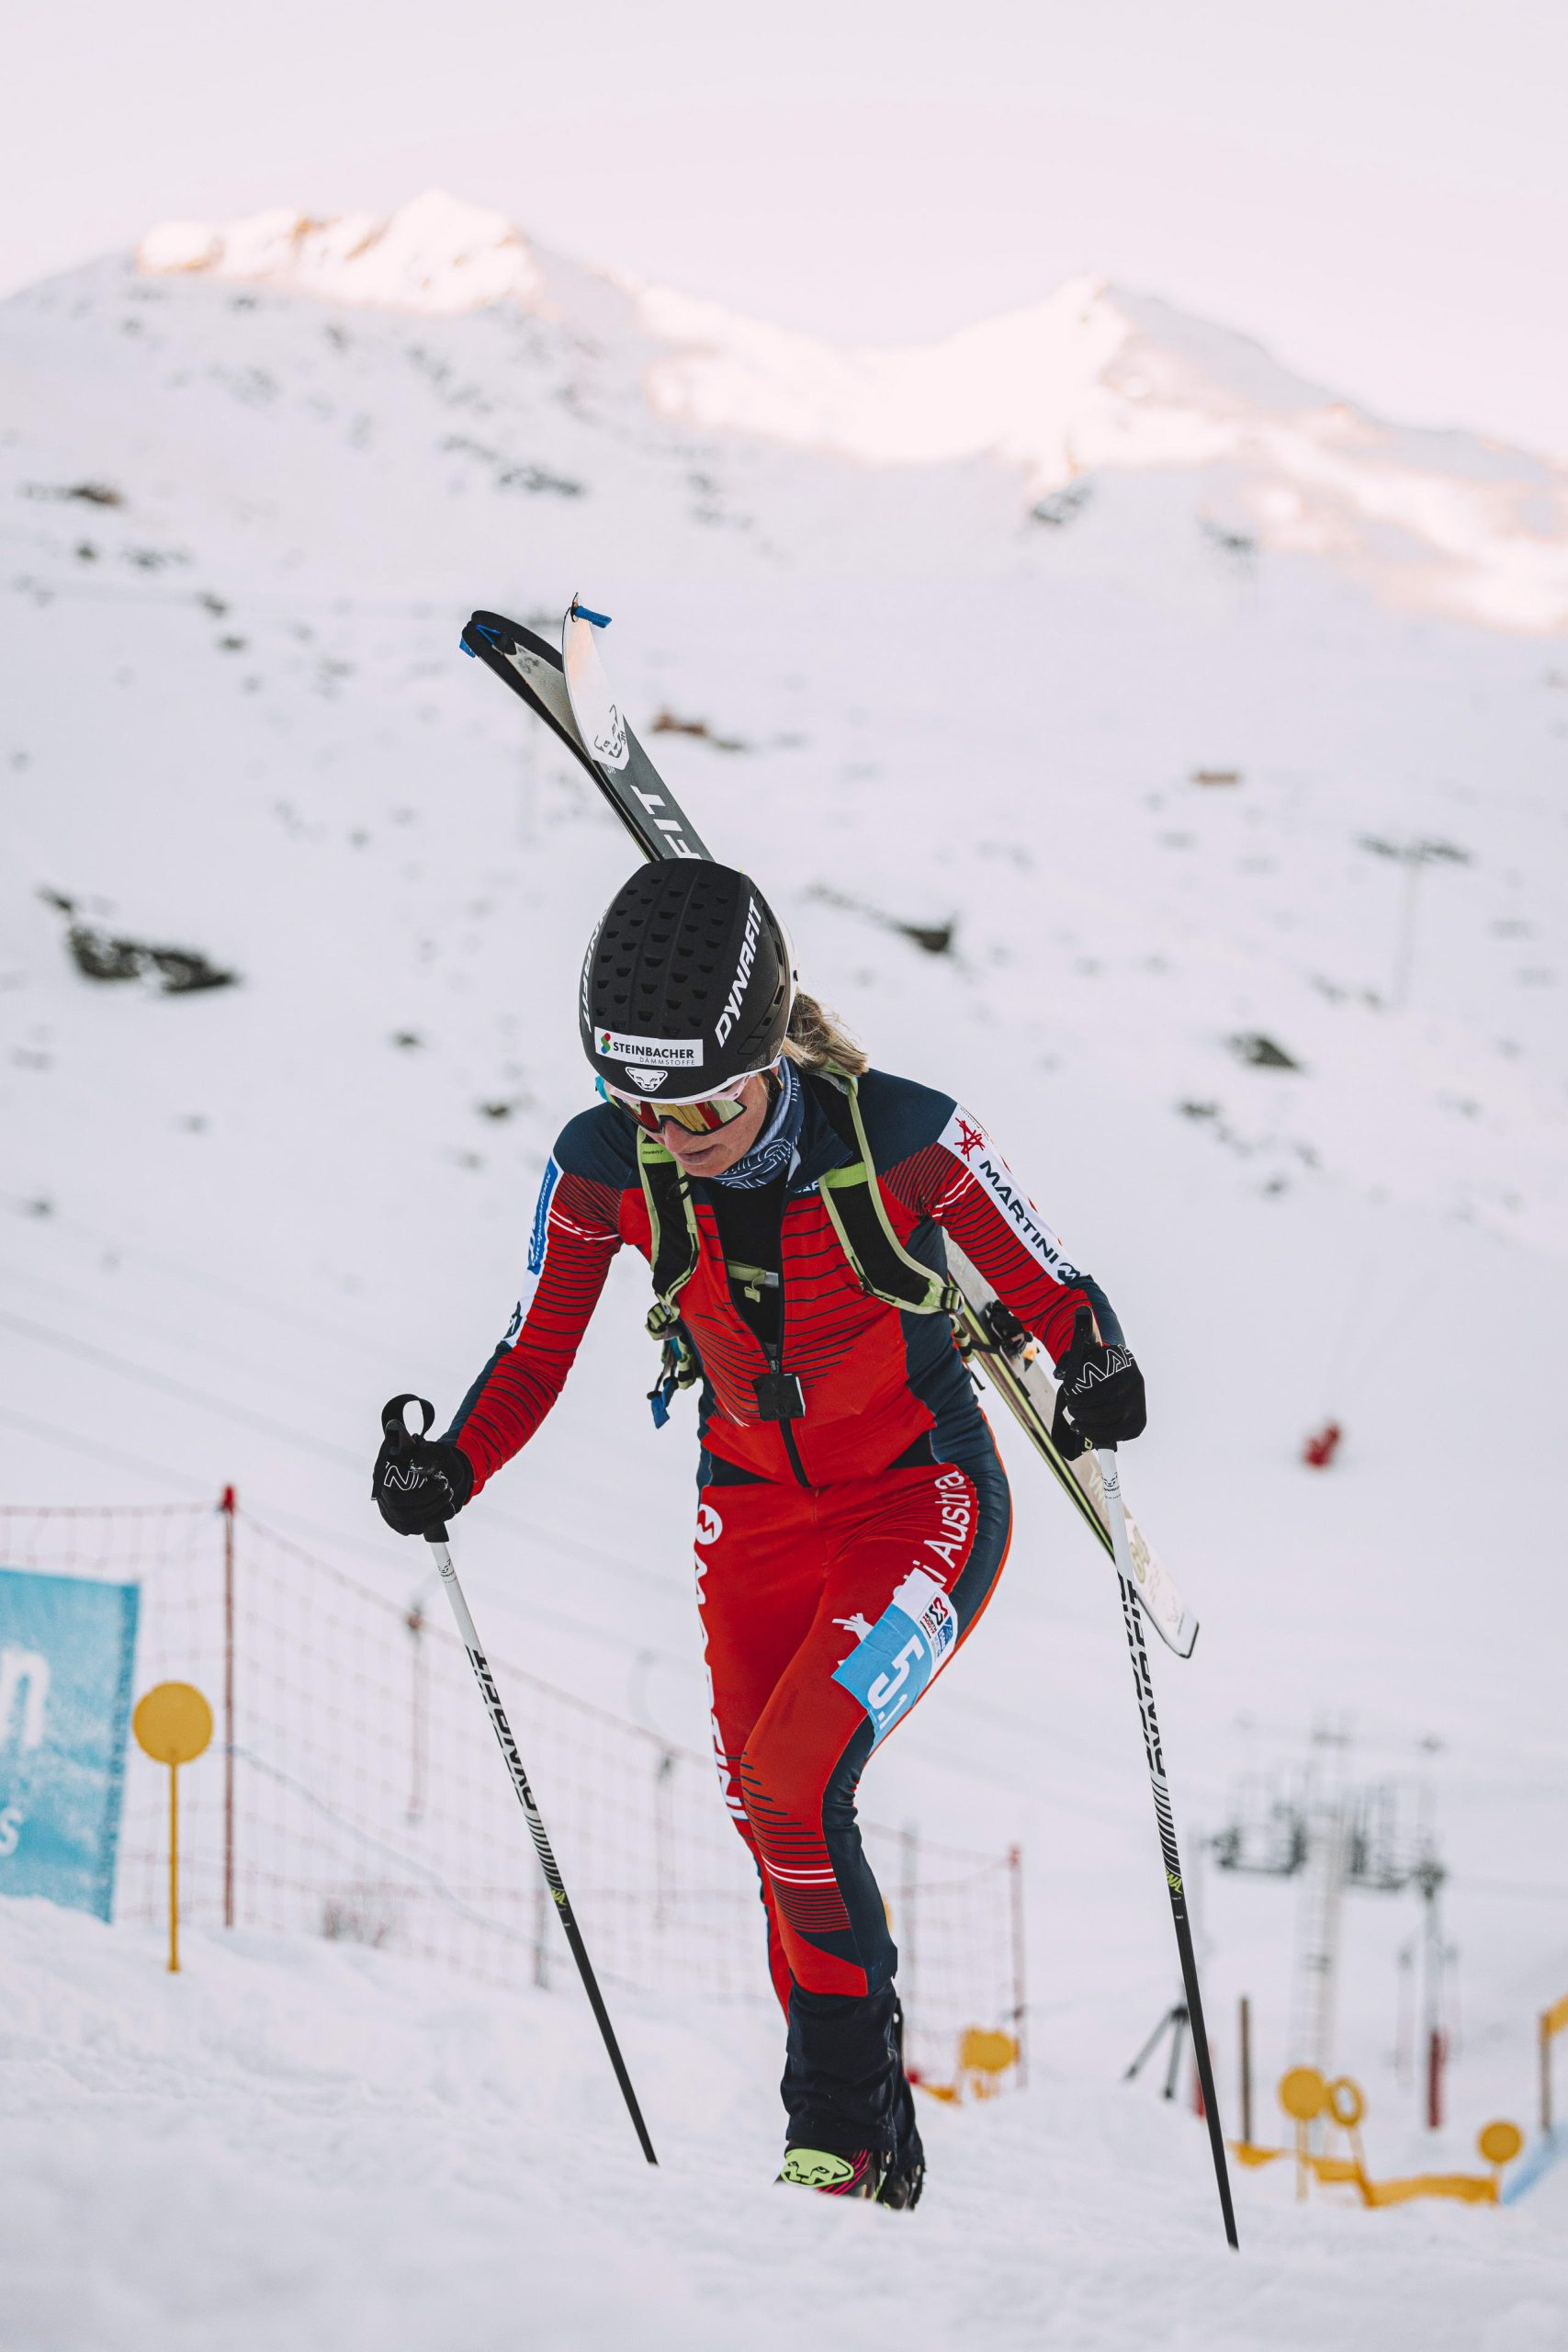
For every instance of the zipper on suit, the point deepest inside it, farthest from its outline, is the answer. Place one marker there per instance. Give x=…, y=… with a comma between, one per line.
x=786, y=1428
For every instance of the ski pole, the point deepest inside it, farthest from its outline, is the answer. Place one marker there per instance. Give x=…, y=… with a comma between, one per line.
x=1145, y=1682
x=396, y=1429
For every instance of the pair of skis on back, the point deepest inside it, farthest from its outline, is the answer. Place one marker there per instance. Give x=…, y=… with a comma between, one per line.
x=571, y=693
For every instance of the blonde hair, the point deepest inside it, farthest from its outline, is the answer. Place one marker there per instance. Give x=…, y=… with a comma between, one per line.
x=816, y=1037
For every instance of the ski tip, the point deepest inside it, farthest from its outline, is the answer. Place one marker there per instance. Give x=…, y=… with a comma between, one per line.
x=581, y=613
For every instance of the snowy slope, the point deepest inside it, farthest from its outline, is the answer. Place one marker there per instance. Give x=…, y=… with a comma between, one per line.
x=243, y=523
x=313, y=2145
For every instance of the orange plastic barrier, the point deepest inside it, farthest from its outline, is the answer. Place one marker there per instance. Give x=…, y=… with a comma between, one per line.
x=1470, y=2188
x=983, y=2057
x=1305, y=2095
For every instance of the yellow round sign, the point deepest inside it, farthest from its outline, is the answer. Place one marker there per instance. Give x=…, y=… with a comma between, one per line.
x=1345, y=2103
x=983, y=2052
x=173, y=1723
x=1500, y=2143
x=1304, y=2093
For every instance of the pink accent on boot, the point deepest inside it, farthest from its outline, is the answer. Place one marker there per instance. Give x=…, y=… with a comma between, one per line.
x=830, y=2174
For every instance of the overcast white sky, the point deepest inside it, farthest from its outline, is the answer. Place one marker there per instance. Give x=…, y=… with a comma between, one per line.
x=1377, y=188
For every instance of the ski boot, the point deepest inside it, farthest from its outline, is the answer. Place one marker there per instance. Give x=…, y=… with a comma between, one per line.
x=870, y=2173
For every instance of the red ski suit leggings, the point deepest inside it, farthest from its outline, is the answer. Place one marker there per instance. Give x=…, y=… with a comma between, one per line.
x=825, y=1613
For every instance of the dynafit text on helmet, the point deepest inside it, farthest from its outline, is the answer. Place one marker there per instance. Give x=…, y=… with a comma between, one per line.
x=834, y=1250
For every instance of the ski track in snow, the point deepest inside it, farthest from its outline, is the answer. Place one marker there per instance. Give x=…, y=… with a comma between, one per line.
x=236, y=719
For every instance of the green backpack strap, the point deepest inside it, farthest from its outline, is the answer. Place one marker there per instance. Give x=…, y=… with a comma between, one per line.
x=673, y=1257
x=852, y=1198
x=674, y=1250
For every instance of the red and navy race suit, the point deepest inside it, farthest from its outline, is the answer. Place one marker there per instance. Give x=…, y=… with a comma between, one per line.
x=841, y=1556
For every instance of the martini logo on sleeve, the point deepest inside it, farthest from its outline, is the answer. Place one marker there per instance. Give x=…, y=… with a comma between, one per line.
x=673, y=1053
x=973, y=1148
x=910, y=1643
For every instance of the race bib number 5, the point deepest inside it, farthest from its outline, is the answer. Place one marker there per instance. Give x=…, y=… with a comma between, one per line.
x=909, y=1644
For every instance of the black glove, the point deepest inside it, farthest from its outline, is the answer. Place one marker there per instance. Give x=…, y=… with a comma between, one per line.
x=419, y=1482
x=1101, y=1397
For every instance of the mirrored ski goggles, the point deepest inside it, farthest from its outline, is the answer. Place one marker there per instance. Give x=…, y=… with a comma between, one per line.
x=697, y=1118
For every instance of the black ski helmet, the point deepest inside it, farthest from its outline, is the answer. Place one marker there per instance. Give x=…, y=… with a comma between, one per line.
x=687, y=983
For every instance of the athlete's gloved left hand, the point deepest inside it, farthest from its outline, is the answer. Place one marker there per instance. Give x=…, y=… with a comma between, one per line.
x=419, y=1482
x=1100, y=1401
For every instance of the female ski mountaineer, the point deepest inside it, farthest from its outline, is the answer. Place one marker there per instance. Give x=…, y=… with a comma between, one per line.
x=852, y=1513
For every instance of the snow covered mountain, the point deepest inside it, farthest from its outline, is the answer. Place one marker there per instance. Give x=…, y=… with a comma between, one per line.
x=1092, y=379
x=434, y=255
x=1146, y=745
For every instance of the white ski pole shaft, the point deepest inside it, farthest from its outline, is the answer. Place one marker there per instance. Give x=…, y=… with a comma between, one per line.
x=1121, y=1550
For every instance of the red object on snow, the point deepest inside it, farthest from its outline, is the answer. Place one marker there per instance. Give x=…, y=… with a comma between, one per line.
x=1437, y=2053
x=1320, y=1448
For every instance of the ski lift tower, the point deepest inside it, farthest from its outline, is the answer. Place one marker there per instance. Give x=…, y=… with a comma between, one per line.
x=1317, y=1918
x=1286, y=1824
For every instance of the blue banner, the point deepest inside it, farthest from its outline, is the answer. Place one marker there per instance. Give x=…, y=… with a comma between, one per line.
x=67, y=1648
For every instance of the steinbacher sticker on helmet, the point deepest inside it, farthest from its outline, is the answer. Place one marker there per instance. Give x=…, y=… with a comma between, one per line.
x=675, y=1053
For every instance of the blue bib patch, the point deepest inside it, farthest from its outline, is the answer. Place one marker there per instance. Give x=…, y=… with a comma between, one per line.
x=910, y=1643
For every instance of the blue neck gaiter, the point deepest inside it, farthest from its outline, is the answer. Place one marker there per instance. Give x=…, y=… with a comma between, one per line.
x=776, y=1150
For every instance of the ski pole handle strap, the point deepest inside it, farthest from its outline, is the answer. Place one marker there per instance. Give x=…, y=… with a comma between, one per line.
x=395, y=1429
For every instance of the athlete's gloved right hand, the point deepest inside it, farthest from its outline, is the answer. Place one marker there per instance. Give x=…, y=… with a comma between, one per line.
x=419, y=1483
x=1101, y=1400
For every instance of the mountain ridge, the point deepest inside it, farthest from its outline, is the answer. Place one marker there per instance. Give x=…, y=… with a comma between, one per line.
x=1092, y=379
